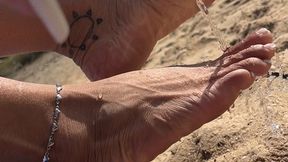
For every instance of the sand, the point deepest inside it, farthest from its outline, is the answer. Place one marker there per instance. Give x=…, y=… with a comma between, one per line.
x=256, y=129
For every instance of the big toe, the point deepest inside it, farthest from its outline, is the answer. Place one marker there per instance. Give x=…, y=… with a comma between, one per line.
x=227, y=89
x=231, y=80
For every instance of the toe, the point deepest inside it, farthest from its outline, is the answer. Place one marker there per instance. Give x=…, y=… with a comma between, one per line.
x=227, y=89
x=255, y=65
x=262, y=36
x=238, y=80
x=264, y=52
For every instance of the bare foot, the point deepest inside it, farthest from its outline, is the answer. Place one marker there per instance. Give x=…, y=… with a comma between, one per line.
x=137, y=115
x=112, y=37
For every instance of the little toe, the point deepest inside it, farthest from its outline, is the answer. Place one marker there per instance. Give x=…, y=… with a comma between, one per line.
x=262, y=36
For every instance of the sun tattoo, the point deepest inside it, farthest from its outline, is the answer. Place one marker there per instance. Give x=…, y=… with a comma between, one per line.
x=87, y=38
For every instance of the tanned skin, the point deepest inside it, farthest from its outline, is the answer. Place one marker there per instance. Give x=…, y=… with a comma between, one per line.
x=130, y=117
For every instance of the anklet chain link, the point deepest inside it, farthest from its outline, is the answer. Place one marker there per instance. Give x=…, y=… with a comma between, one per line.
x=54, y=126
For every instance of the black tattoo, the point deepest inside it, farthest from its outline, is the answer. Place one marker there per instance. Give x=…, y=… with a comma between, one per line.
x=73, y=43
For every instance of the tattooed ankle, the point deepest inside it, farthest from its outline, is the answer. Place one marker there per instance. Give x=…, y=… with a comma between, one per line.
x=83, y=33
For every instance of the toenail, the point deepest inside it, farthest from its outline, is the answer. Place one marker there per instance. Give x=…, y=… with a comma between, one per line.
x=270, y=46
x=253, y=75
x=267, y=61
x=263, y=31
x=257, y=46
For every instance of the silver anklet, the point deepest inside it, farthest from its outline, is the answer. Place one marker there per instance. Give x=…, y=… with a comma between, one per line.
x=54, y=126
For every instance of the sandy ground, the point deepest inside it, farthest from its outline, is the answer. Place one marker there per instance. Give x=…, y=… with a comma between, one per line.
x=256, y=129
